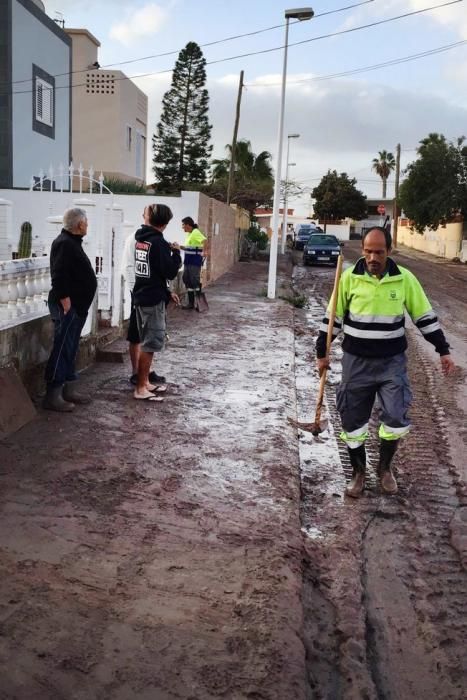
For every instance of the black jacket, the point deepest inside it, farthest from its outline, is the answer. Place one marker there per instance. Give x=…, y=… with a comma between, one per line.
x=155, y=264
x=71, y=272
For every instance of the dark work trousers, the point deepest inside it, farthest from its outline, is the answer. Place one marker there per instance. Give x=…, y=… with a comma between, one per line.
x=192, y=277
x=67, y=331
x=364, y=379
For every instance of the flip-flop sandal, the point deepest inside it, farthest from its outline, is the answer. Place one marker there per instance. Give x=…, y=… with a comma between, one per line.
x=158, y=389
x=148, y=397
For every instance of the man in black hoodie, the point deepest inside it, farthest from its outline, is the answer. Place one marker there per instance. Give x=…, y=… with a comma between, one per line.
x=73, y=287
x=156, y=262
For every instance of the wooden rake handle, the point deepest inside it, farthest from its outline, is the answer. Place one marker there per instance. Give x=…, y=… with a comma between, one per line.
x=332, y=318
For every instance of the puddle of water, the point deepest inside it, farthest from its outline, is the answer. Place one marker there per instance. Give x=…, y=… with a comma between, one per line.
x=314, y=533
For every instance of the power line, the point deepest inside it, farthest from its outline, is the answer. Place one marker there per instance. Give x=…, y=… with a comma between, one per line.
x=343, y=31
x=210, y=43
x=277, y=48
x=363, y=69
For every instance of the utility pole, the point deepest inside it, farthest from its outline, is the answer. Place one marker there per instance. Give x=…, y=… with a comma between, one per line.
x=396, y=195
x=234, y=139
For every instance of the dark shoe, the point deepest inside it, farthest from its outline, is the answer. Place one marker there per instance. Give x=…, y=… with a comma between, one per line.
x=358, y=461
x=191, y=302
x=73, y=395
x=386, y=453
x=54, y=400
x=155, y=378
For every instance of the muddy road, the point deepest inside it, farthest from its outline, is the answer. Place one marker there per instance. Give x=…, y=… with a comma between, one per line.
x=392, y=570
x=202, y=548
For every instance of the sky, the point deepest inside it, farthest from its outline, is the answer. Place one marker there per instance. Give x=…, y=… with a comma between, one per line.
x=343, y=121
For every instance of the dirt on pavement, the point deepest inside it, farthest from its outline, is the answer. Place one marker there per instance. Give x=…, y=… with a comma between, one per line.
x=153, y=551
x=202, y=548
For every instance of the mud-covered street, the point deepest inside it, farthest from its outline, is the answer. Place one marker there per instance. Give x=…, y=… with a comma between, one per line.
x=202, y=548
x=391, y=571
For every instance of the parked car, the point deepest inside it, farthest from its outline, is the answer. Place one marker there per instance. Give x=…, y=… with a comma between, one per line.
x=321, y=248
x=303, y=232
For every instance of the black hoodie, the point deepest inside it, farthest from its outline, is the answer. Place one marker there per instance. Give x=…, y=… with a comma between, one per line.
x=155, y=264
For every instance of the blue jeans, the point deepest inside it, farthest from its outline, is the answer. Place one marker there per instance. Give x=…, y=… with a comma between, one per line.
x=67, y=331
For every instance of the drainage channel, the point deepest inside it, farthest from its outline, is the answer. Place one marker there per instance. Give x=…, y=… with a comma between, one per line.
x=384, y=591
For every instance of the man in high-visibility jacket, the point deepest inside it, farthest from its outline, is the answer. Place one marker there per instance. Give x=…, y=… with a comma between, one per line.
x=193, y=261
x=372, y=299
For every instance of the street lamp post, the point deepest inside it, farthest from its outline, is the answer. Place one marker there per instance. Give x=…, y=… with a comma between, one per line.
x=286, y=194
x=302, y=14
x=285, y=212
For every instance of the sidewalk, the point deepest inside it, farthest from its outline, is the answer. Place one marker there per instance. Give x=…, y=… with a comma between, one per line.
x=153, y=551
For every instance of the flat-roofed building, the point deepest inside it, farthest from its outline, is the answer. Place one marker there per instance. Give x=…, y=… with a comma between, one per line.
x=109, y=115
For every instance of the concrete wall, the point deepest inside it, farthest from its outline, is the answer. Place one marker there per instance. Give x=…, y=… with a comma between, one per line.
x=33, y=42
x=27, y=345
x=85, y=47
x=217, y=221
x=41, y=207
x=6, y=211
x=445, y=242
x=340, y=231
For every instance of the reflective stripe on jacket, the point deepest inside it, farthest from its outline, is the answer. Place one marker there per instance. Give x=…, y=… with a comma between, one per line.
x=371, y=312
x=193, y=248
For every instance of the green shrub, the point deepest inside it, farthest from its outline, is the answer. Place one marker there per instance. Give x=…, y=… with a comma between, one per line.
x=118, y=186
x=259, y=237
x=297, y=300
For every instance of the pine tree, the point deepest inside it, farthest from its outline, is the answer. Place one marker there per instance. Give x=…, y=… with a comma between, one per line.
x=181, y=145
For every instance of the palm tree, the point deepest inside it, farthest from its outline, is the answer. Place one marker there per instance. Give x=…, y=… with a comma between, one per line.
x=253, y=178
x=247, y=164
x=383, y=165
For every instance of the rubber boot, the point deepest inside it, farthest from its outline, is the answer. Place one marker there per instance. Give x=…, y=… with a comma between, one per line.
x=191, y=301
x=54, y=400
x=355, y=487
x=386, y=453
x=72, y=394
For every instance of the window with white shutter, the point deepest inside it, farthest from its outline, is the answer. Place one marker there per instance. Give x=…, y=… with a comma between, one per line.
x=44, y=102
x=43, y=98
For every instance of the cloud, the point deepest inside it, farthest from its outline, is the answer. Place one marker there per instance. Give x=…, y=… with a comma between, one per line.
x=452, y=17
x=342, y=123
x=138, y=24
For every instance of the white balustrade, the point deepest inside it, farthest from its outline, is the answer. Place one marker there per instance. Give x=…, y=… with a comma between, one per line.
x=23, y=290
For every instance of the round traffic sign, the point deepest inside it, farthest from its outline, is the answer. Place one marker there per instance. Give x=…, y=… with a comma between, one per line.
x=381, y=209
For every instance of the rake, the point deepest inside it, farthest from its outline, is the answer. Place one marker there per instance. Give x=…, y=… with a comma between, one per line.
x=315, y=427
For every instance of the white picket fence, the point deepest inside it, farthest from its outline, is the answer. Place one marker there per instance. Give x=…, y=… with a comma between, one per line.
x=66, y=178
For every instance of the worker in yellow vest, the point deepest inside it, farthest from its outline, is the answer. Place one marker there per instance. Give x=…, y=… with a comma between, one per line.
x=194, y=258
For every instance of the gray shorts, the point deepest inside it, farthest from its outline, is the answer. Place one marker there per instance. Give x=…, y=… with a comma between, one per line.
x=151, y=326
